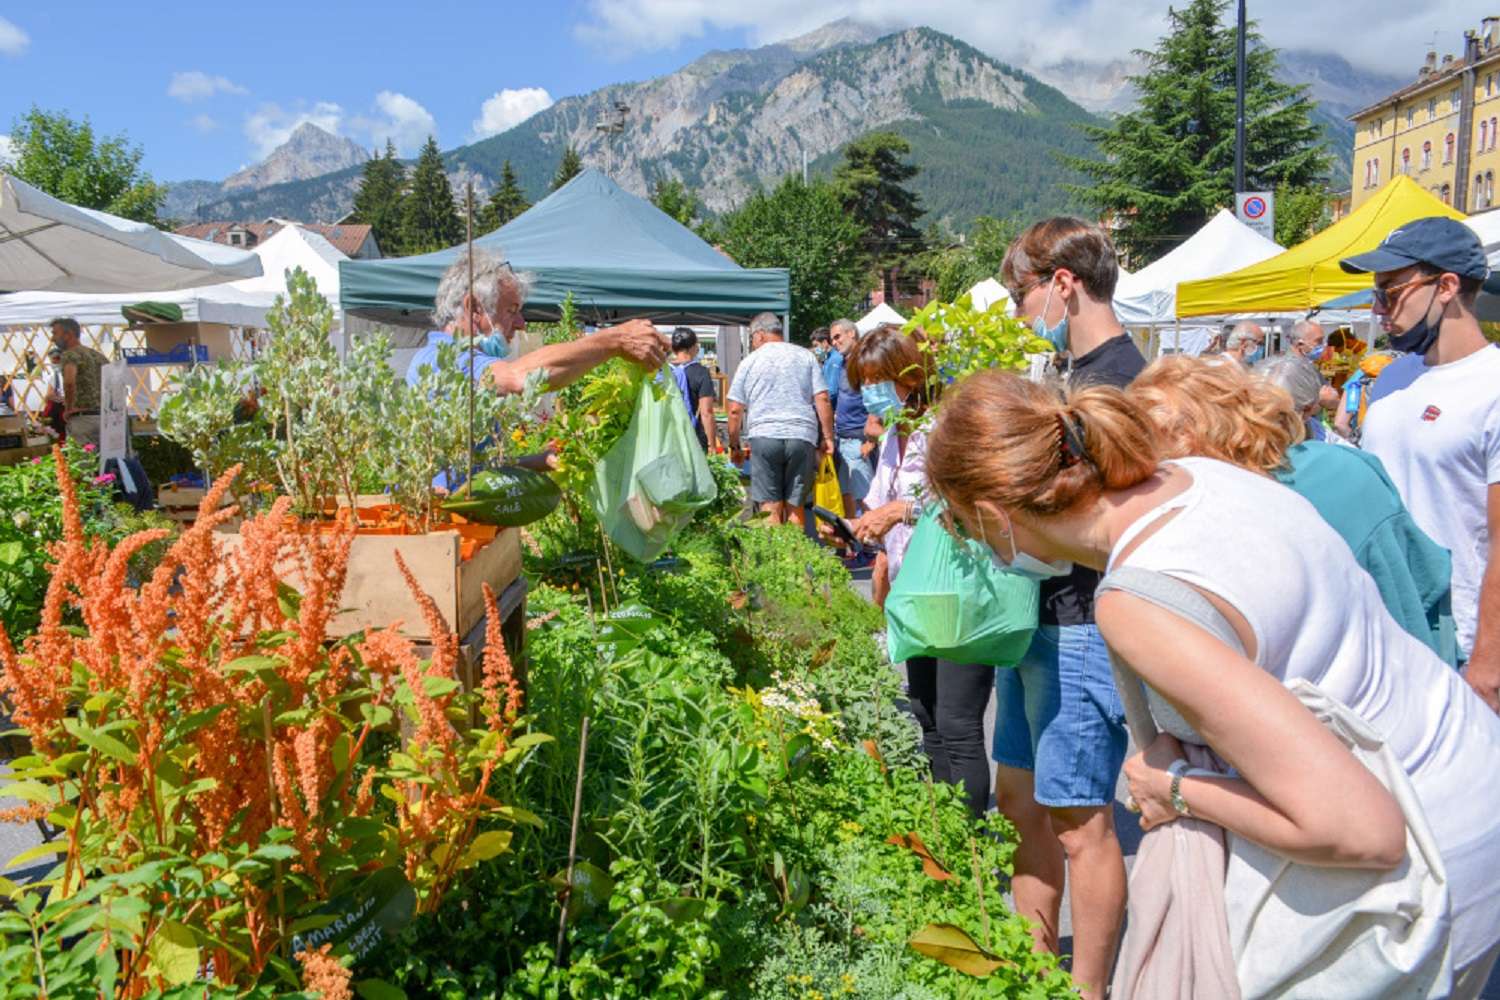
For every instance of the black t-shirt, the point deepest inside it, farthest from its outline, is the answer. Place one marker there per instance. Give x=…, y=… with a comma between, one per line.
x=700, y=384
x=1069, y=600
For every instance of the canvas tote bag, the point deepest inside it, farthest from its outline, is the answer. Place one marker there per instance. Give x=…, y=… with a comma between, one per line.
x=1298, y=930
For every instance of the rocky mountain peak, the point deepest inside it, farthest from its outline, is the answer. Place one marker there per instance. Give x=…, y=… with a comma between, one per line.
x=308, y=152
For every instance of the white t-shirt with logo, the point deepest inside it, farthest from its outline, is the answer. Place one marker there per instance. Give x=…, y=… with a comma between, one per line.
x=1436, y=429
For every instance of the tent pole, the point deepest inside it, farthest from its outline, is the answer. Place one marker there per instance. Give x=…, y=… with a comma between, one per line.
x=471, y=303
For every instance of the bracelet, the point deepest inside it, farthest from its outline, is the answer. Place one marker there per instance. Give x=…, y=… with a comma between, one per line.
x=1176, y=770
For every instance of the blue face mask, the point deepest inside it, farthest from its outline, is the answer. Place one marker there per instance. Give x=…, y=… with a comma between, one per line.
x=493, y=346
x=880, y=399
x=1317, y=355
x=1057, y=335
x=1255, y=355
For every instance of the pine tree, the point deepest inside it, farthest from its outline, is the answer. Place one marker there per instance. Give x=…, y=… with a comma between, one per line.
x=570, y=167
x=871, y=182
x=1168, y=166
x=429, y=218
x=673, y=197
x=505, y=204
x=377, y=203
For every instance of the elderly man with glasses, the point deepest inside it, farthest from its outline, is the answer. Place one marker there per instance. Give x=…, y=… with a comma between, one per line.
x=499, y=295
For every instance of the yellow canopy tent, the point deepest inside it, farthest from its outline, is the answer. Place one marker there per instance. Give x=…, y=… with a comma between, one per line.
x=1308, y=274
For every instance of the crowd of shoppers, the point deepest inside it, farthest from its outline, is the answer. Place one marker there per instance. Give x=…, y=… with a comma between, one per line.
x=1367, y=578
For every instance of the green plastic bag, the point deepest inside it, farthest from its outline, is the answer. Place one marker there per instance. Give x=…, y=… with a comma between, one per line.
x=949, y=600
x=650, y=483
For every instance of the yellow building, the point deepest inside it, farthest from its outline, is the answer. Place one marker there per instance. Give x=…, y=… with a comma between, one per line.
x=1441, y=130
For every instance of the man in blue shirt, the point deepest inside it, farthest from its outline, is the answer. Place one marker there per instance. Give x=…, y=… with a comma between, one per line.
x=499, y=295
x=854, y=454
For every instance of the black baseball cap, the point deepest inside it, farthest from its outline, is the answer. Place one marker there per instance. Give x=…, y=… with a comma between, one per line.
x=1444, y=243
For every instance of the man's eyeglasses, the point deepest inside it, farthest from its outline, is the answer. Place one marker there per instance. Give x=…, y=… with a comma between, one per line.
x=1387, y=295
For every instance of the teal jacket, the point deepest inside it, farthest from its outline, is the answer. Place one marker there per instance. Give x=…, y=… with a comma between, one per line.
x=1350, y=489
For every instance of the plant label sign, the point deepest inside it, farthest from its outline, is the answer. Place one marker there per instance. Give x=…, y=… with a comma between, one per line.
x=361, y=920
x=1257, y=209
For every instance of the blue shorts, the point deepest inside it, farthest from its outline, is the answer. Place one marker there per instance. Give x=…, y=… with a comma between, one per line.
x=1059, y=716
x=855, y=470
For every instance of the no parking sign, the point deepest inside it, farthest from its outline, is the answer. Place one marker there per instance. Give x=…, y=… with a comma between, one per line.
x=1257, y=209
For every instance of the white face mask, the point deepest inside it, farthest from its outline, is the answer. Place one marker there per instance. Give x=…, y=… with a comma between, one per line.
x=1023, y=563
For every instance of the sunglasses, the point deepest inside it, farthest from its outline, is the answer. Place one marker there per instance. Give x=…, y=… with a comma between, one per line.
x=1385, y=297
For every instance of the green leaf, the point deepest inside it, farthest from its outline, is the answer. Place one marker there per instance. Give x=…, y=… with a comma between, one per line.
x=952, y=946
x=518, y=815
x=487, y=845
x=30, y=791
x=530, y=740
x=105, y=744
x=11, y=553
x=252, y=664
x=591, y=888
x=436, y=687
x=375, y=715
x=275, y=852
x=798, y=754
x=379, y=989
x=173, y=953
x=39, y=851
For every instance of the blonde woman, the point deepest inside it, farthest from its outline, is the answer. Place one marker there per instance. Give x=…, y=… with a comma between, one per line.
x=1256, y=420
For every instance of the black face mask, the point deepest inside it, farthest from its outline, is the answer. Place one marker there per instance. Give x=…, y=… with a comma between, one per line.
x=1422, y=335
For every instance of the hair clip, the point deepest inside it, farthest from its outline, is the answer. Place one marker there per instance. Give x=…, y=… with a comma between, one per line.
x=1070, y=442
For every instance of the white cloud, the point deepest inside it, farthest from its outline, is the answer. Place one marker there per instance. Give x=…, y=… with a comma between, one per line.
x=269, y=125
x=1042, y=32
x=507, y=109
x=204, y=124
x=195, y=85
x=400, y=119
x=13, y=41
x=7, y=150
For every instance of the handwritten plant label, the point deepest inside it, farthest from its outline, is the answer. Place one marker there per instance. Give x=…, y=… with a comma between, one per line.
x=374, y=912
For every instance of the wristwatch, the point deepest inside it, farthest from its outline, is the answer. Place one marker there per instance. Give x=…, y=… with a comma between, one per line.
x=1177, y=769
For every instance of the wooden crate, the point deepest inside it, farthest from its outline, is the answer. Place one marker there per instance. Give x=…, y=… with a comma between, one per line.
x=375, y=594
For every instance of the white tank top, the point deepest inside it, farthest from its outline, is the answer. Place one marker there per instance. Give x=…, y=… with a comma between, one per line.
x=1317, y=615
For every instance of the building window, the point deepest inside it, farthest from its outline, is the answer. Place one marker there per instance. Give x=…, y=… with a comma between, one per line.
x=1411, y=117
x=1489, y=85
x=1431, y=108
x=1448, y=142
x=1479, y=191
x=1427, y=155
x=1406, y=160
x=1484, y=135
x=1447, y=194
x=1453, y=101
x=1493, y=130
x=236, y=239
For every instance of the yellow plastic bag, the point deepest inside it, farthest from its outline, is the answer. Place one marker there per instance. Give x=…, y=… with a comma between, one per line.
x=826, y=492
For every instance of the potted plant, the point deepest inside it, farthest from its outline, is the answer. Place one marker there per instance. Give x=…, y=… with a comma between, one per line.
x=312, y=426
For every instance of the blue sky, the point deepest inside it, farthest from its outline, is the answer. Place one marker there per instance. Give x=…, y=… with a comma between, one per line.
x=261, y=66
x=206, y=88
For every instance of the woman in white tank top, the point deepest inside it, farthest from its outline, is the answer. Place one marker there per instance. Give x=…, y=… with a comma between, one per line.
x=1047, y=478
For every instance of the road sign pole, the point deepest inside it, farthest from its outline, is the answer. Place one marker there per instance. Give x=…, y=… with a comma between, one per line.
x=1239, y=102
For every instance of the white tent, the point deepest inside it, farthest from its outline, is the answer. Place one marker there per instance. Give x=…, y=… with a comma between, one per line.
x=1149, y=296
x=987, y=293
x=48, y=244
x=236, y=303
x=875, y=317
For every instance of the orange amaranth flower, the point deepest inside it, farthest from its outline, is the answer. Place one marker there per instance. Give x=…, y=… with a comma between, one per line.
x=324, y=975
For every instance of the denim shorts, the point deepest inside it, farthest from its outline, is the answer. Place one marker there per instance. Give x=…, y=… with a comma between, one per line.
x=855, y=470
x=1059, y=716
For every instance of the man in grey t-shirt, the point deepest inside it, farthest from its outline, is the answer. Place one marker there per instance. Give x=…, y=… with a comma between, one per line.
x=778, y=395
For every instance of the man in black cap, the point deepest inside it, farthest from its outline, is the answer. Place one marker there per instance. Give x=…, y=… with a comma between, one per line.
x=1434, y=418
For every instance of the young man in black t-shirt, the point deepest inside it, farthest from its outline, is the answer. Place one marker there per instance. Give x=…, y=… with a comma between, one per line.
x=696, y=386
x=1059, y=725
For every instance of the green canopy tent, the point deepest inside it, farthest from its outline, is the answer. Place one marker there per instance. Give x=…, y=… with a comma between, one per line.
x=618, y=255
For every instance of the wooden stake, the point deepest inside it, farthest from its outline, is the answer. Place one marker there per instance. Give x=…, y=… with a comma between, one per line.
x=562, y=920
x=472, y=311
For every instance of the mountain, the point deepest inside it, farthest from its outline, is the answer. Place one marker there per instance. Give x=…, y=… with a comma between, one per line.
x=984, y=133
x=307, y=153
